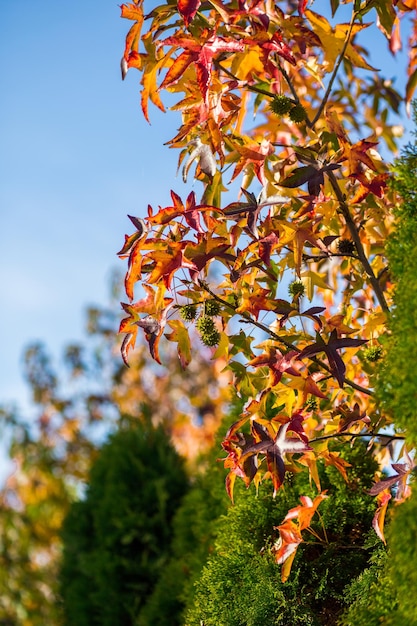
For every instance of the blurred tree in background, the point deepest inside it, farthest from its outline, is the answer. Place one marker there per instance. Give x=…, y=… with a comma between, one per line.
x=75, y=408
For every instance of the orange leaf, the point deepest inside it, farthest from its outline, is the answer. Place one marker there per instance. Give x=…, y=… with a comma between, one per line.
x=132, y=11
x=133, y=273
x=379, y=518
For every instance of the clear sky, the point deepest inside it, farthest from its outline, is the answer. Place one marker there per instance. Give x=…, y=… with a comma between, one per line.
x=76, y=156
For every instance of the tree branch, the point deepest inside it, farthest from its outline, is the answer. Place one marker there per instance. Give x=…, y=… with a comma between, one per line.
x=247, y=319
x=358, y=243
x=335, y=71
x=354, y=435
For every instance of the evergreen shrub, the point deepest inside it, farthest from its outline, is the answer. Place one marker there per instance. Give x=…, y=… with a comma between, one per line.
x=241, y=582
x=117, y=540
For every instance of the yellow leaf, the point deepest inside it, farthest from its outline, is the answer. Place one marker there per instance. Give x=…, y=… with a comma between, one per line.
x=333, y=40
x=311, y=280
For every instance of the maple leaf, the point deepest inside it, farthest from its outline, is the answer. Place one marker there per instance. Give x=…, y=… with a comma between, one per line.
x=236, y=445
x=201, y=55
x=165, y=262
x=378, y=520
x=356, y=156
x=206, y=161
x=310, y=174
x=254, y=154
x=132, y=248
x=276, y=449
x=350, y=416
x=190, y=211
x=331, y=348
x=131, y=57
x=277, y=363
x=376, y=185
x=400, y=478
x=269, y=45
x=333, y=40
x=180, y=336
x=254, y=301
x=290, y=536
x=153, y=323
x=298, y=235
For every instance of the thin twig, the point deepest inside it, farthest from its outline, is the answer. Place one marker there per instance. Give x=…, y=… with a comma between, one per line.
x=335, y=71
x=264, y=92
x=354, y=435
x=247, y=319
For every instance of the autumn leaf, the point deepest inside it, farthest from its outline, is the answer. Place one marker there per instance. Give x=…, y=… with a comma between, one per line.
x=403, y=471
x=254, y=154
x=333, y=40
x=180, y=336
x=331, y=348
x=378, y=520
x=277, y=363
x=188, y=9
x=201, y=55
x=290, y=536
x=357, y=155
x=276, y=450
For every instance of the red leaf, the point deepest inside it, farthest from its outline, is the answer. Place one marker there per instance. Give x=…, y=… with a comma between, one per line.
x=188, y=9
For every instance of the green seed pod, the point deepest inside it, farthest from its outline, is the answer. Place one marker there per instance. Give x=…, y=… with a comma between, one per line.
x=211, y=339
x=211, y=308
x=311, y=404
x=205, y=325
x=373, y=353
x=298, y=114
x=188, y=312
x=281, y=105
x=296, y=289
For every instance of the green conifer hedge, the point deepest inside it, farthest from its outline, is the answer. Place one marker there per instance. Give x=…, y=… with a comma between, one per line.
x=117, y=540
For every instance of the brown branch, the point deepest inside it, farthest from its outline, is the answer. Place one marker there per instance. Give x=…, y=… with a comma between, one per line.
x=358, y=243
x=354, y=435
x=247, y=319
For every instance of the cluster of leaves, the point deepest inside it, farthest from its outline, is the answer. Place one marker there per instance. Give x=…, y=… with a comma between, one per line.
x=117, y=539
x=283, y=103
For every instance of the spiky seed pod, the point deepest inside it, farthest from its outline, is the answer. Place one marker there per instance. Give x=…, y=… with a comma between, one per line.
x=188, y=312
x=205, y=325
x=211, y=308
x=373, y=353
x=345, y=246
x=311, y=404
x=296, y=288
x=281, y=105
x=211, y=339
x=298, y=114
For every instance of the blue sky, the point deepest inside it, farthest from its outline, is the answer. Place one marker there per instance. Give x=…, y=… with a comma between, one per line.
x=76, y=157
